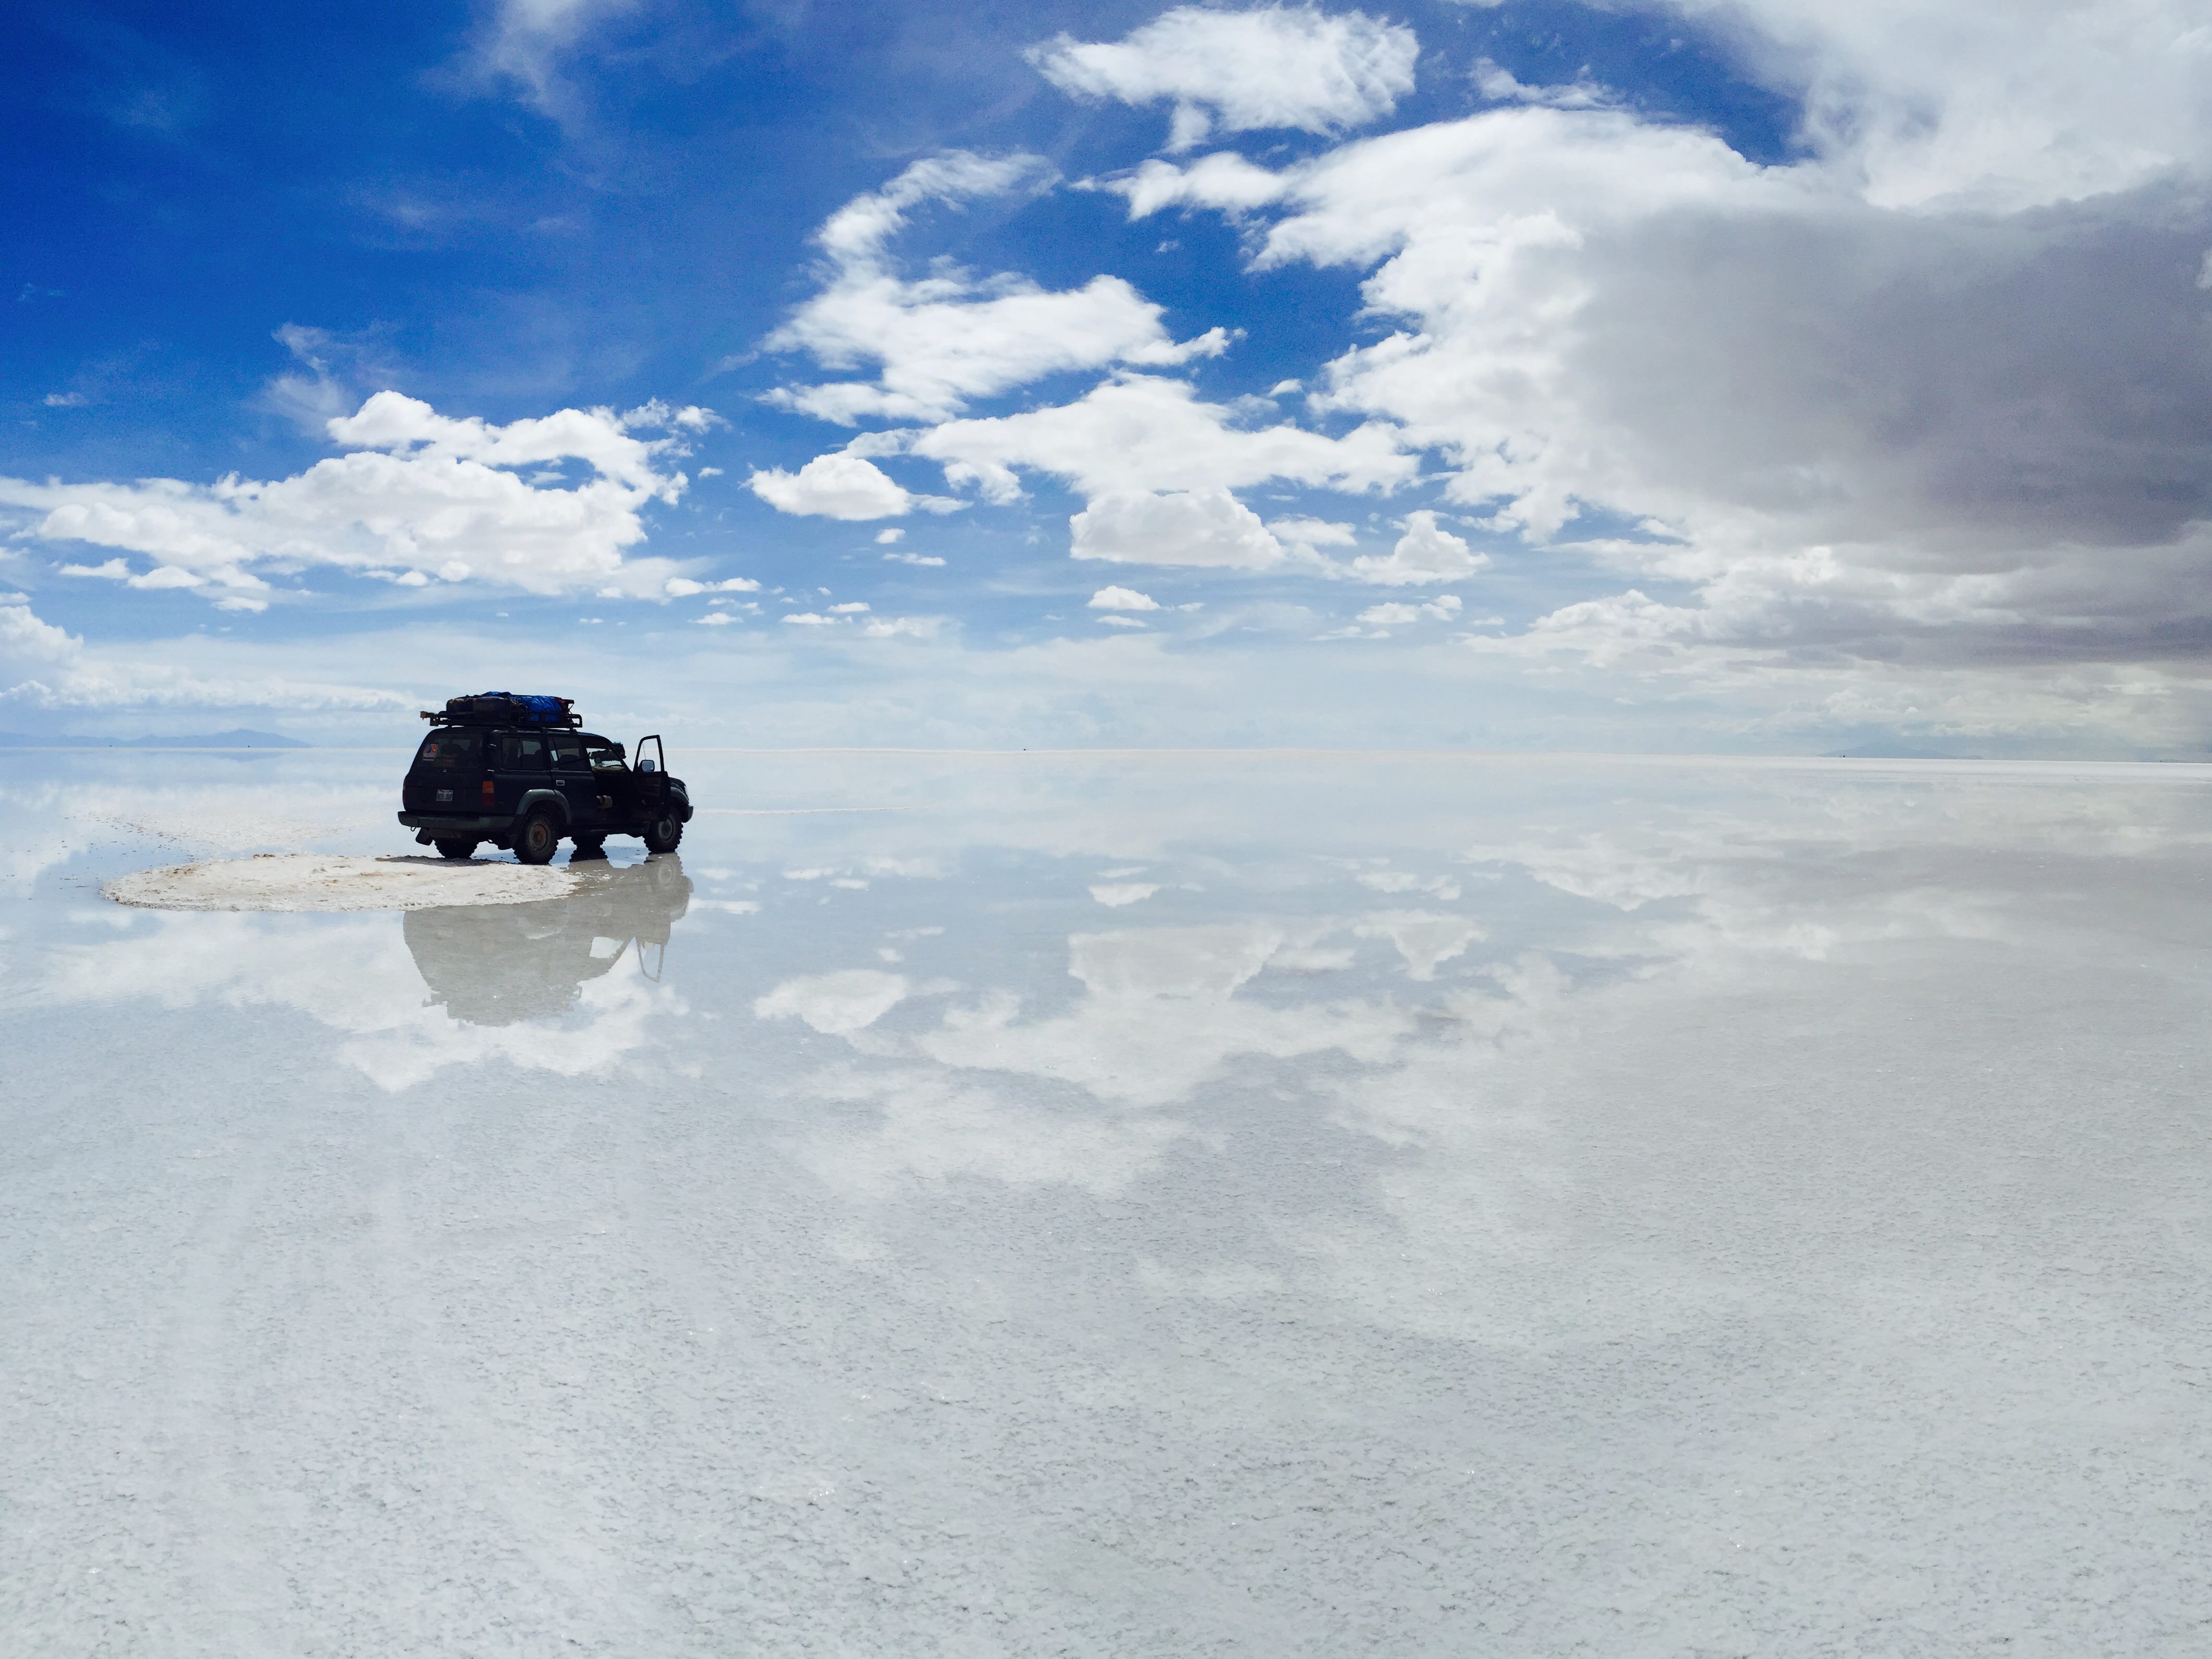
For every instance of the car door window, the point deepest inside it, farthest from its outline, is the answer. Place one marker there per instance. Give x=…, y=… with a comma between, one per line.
x=522, y=754
x=572, y=774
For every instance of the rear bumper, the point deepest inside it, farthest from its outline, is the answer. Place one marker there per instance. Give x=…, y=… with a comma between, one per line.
x=451, y=823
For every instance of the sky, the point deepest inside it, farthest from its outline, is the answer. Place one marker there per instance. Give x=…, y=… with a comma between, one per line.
x=1785, y=376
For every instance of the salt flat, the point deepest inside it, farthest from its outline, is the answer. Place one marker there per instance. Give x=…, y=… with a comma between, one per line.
x=328, y=881
x=1121, y=1206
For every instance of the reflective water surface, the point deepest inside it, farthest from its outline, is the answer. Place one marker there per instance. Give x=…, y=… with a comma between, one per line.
x=1121, y=1206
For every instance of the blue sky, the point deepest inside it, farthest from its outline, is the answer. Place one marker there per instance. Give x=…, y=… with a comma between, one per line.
x=1785, y=375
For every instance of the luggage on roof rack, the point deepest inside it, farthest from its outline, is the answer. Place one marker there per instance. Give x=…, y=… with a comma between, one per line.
x=507, y=708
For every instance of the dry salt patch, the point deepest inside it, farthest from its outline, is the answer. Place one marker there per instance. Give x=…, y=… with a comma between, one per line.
x=315, y=881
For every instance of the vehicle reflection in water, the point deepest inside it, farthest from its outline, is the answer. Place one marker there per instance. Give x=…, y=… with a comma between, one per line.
x=492, y=965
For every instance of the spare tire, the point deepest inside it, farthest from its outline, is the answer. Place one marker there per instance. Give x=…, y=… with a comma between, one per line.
x=454, y=847
x=537, y=837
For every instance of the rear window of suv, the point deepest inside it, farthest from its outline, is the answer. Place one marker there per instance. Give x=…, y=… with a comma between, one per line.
x=451, y=752
x=568, y=753
x=522, y=754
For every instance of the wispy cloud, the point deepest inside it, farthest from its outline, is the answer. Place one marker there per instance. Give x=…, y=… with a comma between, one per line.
x=526, y=42
x=43, y=666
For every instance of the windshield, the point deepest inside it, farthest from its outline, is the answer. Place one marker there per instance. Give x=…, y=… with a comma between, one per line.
x=451, y=752
x=605, y=754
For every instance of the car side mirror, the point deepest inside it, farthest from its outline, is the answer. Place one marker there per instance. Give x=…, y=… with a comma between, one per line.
x=646, y=766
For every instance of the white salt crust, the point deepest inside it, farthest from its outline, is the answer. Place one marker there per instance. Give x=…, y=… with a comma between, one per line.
x=314, y=881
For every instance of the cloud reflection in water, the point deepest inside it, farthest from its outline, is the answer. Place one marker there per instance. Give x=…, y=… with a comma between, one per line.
x=1647, y=1199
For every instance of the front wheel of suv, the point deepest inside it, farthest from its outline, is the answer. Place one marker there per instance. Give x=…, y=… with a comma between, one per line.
x=538, y=836
x=662, y=833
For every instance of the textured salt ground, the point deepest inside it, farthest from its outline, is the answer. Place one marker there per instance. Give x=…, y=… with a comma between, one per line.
x=312, y=881
x=1522, y=1208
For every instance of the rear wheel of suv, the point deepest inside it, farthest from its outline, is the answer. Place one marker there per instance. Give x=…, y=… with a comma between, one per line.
x=662, y=833
x=538, y=836
x=454, y=847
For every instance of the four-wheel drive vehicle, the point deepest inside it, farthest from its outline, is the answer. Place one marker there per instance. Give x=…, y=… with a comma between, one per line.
x=518, y=772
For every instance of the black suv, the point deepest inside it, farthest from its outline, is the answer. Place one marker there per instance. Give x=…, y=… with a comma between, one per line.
x=518, y=772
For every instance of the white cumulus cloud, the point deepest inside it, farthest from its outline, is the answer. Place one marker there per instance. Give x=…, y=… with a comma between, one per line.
x=1140, y=433
x=1272, y=66
x=1915, y=398
x=938, y=341
x=1122, y=598
x=1986, y=106
x=1184, y=527
x=1426, y=553
x=836, y=486
x=417, y=491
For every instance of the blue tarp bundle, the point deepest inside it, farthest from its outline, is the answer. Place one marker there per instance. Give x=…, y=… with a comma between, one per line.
x=547, y=711
x=520, y=707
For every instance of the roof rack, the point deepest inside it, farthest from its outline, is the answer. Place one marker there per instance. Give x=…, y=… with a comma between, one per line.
x=506, y=708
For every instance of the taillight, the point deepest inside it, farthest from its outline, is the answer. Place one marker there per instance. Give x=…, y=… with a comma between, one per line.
x=487, y=792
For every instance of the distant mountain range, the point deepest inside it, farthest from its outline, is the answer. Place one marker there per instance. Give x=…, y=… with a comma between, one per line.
x=239, y=737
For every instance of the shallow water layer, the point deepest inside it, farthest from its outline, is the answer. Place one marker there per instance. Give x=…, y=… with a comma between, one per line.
x=1121, y=1206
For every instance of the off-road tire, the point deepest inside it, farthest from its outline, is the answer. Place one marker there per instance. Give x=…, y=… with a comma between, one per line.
x=537, y=837
x=454, y=847
x=662, y=833
x=587, y=848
